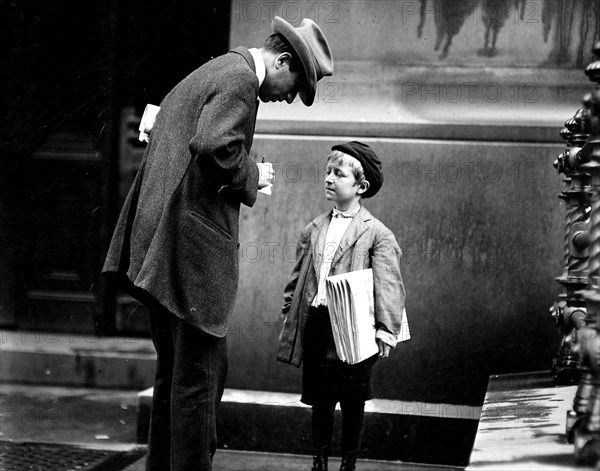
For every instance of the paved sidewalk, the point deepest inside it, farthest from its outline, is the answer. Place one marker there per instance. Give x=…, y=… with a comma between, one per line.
x=50, y=414
x=232, y=460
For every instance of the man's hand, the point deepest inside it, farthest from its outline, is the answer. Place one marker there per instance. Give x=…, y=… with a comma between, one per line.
x=266, y=174
x=384, y=349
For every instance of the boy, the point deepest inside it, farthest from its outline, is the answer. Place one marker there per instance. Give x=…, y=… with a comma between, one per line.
x=344, y=239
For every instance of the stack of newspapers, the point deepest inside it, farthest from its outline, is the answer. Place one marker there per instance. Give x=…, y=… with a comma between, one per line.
x=352, y=312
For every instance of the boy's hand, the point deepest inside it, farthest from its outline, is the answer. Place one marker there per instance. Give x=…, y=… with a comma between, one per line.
x=384, y=349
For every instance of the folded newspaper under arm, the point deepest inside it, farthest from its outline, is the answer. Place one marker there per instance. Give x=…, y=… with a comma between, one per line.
x=147, y=121
x=352, y=312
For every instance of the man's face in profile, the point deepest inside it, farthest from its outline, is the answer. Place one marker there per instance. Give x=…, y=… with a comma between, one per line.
x=280, y=83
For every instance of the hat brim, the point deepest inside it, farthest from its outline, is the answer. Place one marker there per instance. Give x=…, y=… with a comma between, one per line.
x=279, y=25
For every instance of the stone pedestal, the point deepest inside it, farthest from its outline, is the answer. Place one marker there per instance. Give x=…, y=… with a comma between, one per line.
x=522, y=425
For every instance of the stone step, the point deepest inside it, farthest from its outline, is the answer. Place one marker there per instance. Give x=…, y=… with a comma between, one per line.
x=76, y=360
x=260, y=421
x=266, y=421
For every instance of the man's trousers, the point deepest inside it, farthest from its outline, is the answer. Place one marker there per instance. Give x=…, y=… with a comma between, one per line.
x=191, y=369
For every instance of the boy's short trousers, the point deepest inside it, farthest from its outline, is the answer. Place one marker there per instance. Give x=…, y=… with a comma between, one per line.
x=325, y=378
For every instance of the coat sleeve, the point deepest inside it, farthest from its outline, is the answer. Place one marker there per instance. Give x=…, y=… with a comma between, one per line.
x=387, y=280
x=220, y=135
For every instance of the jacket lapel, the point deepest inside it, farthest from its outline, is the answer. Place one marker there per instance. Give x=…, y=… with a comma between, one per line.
x=356, y=228
x=317, y=239
x=242, y=51
x=245, y=53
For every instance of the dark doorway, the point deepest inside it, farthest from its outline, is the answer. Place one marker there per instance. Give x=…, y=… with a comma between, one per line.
x=79, y=74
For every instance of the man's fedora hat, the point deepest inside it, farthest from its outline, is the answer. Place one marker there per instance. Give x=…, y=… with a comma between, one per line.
x=313, y=51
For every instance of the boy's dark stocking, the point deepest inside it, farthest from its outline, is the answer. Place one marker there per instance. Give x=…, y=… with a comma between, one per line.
x=322, y=430
x=353, y=421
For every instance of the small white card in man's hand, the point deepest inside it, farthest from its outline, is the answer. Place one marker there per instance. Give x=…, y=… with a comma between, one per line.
x=267, y=189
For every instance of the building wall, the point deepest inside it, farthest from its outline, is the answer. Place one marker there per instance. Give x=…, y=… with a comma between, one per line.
x=479, y=225
x=467, y=134
x=467, y=141
x=7, y=280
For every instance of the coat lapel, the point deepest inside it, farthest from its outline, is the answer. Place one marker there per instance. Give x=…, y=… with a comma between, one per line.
x=242, y=51
x=245, y=53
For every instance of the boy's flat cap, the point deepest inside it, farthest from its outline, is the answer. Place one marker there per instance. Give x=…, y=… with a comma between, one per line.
x=369, y=161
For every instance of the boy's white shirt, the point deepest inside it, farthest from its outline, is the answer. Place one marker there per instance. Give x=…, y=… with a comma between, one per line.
x=335, y=232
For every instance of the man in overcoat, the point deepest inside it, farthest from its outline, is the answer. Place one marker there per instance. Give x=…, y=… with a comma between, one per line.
x=175, y=246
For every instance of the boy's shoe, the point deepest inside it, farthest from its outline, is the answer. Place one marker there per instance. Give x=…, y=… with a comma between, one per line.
x=319, y=461
x=348, y=462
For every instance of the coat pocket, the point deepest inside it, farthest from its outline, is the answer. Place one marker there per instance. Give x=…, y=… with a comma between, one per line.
x=211, y=225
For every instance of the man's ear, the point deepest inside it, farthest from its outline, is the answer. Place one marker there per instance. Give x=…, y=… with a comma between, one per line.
x=283, y=59
x=364, y=186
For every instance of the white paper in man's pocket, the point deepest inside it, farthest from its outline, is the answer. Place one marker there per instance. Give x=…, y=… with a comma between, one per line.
x=147, y=121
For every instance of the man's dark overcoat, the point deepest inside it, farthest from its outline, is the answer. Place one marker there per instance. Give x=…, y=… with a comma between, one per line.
x=176, y=240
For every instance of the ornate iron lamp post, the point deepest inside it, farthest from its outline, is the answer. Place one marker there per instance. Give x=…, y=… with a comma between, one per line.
x=569, y=310
x=586, y=405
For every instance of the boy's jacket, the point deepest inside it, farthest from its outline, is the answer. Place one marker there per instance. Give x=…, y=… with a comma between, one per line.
x=367, y=243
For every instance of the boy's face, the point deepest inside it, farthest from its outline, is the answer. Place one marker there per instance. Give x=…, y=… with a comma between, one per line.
x=341, y=186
